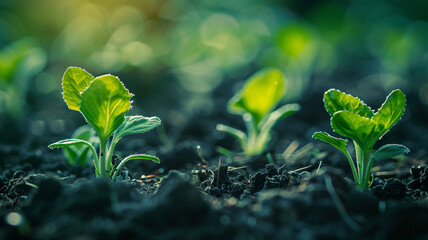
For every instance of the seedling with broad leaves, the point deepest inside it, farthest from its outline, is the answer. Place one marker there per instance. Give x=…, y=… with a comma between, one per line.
x=103, y=102
x=257, y=102
x=352, y=118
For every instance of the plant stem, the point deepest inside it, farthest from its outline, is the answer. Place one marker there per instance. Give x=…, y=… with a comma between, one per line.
x=360, y=165
x=131, y=157
x=116, y=171
x=110, y=155
x=364, y=166
x=368, y=171
x=102, y=164
x=251, y=148
x=352, y=164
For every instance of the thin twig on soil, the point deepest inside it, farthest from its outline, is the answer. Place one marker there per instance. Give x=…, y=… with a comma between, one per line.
x=300, y=169
x=218, y=171
x=231, y=169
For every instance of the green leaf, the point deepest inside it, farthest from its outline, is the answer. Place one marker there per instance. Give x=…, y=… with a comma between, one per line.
x=73, y=142
x=79, y=157
x=389, y=151
x=390, y=112
x=335, y=100
x=225, y=151
x=269, y=122
x=79, y=153
x=366, y=131
x=355, y=127
x=334, y=141
x=74, y=82
x=260, y=94
x=142, y=157
x=133, y=157
x=341, y=145
x=135, y=125
x=238, y=134
x=280, y=113
x=104, y=104
x=77, y=142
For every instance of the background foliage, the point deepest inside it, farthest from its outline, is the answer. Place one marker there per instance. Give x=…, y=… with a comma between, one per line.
x=173, y=53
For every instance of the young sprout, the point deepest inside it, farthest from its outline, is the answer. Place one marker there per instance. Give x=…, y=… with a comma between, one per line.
x=103, y=102
x=352, y=118
x=256, y=102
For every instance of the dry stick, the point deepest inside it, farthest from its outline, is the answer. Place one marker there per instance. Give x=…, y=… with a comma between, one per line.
x=243, y=184
x=340, y=208
x=211, y=171
x=230, y=169
x=290, y=181
x=290, y=149
x=205, y=163
x=31, y=185
x=300, y=169
x=393, y=173
x=319, y=166
x=218, y=171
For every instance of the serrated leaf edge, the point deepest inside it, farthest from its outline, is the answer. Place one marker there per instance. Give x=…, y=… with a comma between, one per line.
x=334, y=89
x=62, y=84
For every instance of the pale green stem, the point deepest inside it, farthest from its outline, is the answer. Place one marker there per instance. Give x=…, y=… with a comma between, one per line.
x=117, y=170
x=103, y=152
x=368, y=171
x=352, y=164
x=360, y=164
x=110, y=155
x=131, y=157
x=96, y=160
x=364, y=166
x=252, y=133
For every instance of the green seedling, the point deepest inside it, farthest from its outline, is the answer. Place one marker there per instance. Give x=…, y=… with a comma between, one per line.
x=80, y=154
x=19, y=63
x=103, y=102
x=256, y=102
x=352, y=118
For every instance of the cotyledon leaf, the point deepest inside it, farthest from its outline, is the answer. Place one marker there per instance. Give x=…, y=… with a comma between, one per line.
x=389, y=151
x=280, y=113
x=339, y=144
x=104, y=104
x=335, y=100
x=136, y=125
x=269, y=122
x=358, y=128
x=334, y=141
x=73, y=142
x=74, y=82
x=77, y=142
x=238, y=134
x=390, y=112
x=133, y=157
x=260, y=94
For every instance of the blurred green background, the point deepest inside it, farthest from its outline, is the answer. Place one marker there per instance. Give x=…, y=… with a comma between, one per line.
x=172, y=54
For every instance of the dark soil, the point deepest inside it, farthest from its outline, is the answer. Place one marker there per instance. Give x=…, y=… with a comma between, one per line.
x=306, y=193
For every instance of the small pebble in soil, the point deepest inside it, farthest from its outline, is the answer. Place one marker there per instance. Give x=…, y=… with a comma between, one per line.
x=394, y=188
x=417, y=171
x=271, y=170
x=257, y=181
